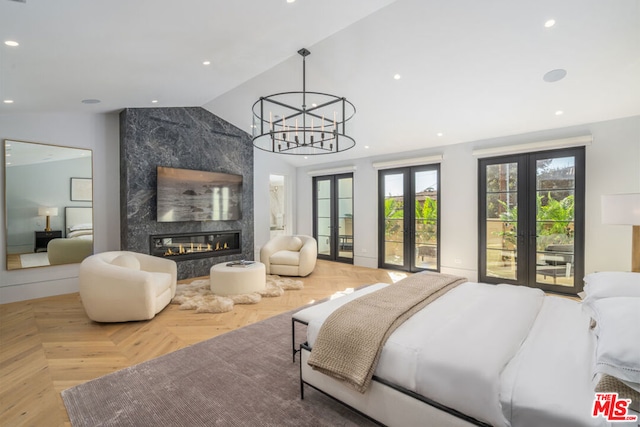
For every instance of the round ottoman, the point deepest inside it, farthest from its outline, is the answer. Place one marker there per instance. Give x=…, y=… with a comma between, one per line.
x=232, y=280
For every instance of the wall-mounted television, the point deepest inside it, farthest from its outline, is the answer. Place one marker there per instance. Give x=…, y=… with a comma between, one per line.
x=193, y=195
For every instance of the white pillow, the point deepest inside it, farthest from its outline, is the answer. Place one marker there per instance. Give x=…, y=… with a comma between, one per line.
x=618, y=331
x=607, y=284
x=77, y=233
x=81, y=227
x=127, y=261
x=294, y=244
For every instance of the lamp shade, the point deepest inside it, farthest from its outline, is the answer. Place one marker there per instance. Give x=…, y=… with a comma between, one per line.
x=623, y=209
x=45, y=211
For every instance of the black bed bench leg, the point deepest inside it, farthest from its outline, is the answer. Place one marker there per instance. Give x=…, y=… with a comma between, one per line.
x=293, y=339
x=301, y=382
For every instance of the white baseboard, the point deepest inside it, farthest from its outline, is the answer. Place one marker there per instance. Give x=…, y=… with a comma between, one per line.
x=27, y=291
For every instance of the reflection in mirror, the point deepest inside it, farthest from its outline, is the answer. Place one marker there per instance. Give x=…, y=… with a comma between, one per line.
x=277, y=203
x=49, y=214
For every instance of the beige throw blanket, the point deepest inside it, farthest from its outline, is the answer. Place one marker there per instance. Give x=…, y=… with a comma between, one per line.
x=350, y=340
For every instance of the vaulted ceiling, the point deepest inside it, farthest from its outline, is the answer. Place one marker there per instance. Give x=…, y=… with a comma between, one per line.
x=468, y=69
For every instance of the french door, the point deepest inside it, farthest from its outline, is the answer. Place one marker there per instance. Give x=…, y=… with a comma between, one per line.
x=333, y=217
x=531, y=220
x=409, y=225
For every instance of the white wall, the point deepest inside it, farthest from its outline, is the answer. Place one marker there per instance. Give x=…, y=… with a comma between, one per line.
x=612, y=166
x=98, y=132
x=266, y=164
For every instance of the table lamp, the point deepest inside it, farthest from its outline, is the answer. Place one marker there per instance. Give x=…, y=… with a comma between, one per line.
x=48, y=212
x=624, y=209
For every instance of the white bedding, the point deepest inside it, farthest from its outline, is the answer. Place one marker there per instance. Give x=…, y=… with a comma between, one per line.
x=549, y=381
x=505, y=355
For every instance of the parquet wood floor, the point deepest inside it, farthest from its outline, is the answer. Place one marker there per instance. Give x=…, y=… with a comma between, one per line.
x=48, y=344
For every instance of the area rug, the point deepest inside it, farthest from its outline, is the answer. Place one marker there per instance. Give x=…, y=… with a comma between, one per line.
x=39, y=259
x=197, y=295
x=242, y=378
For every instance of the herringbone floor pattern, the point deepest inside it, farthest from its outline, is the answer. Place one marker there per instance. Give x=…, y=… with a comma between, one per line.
x=48, y=344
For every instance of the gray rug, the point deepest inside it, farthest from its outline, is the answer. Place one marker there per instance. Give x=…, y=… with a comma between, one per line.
x=242, y=378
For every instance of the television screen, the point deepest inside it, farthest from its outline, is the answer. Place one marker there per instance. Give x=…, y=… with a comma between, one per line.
x=191, y=195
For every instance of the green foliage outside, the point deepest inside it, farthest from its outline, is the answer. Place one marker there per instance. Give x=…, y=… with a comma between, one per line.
x=426, y=214
x=554, y=221
x=426, y=220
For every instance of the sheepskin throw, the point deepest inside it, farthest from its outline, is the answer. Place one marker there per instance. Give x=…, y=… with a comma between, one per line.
x=197, y=295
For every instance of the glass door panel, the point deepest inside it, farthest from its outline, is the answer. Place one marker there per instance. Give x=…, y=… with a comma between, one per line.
x=501, y=221
x=532, y=220
x=333, y=217
x=555, y=221
x=345, y=217
x=394, y=219
x=409, y=228
x=426, y=219
x=323, y=216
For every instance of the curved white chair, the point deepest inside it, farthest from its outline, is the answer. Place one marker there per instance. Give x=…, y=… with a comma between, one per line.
x=290, y=255
x=121, y=286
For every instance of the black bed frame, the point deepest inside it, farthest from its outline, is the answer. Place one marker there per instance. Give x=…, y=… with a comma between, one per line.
x=403, y=390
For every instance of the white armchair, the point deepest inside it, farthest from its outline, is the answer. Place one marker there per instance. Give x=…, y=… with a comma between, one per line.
x=290, y=255
x=121, y=286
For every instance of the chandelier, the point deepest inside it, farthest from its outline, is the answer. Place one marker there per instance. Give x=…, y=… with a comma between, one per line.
x=284, y=123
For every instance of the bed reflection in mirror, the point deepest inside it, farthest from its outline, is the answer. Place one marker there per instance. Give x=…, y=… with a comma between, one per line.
x=48, y=200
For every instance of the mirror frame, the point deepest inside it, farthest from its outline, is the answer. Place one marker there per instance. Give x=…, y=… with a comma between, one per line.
x=35, y=196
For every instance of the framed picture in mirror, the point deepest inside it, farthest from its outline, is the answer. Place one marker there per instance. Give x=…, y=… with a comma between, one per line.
x=81, y=190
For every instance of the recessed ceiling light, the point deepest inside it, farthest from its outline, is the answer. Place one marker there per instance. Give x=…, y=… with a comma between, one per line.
x=397, y=76
x=291, y=1
x=550, y=23
x=90, y=101
x=8, y=154
x=559, y=113
x=12, y=43
x=554, y=75
x=8, y=101
x=304, y=156
x=314, y=105
x=154, y=101
x=206, y=63
x=440, y=134
x=366, y=146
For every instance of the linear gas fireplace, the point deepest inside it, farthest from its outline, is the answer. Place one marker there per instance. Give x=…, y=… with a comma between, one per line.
x=185, y=246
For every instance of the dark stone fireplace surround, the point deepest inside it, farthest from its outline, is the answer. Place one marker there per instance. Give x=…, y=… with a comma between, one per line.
x=187, y=138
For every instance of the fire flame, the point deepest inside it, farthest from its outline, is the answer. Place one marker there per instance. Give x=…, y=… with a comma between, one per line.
x=198, y=248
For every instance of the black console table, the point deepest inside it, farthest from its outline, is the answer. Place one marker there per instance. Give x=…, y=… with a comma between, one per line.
x=43, y=238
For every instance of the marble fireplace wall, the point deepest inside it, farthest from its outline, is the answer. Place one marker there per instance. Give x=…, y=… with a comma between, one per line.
x=187, y=138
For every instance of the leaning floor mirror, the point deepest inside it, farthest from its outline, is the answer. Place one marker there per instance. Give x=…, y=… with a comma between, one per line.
x=48, y=204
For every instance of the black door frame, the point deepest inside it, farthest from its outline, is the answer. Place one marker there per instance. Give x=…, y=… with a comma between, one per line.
x=408, y=217
x=335, y=220
x=527, y=234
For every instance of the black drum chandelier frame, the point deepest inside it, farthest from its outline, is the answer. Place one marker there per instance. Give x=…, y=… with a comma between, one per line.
x=281, y=126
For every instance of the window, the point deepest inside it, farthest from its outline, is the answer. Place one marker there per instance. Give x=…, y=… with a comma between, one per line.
x=333, y=217
x=531, y=227
x=409, y=223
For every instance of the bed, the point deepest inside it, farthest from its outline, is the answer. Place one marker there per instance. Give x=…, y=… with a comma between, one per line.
x=78, y=241
x=496, y=355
